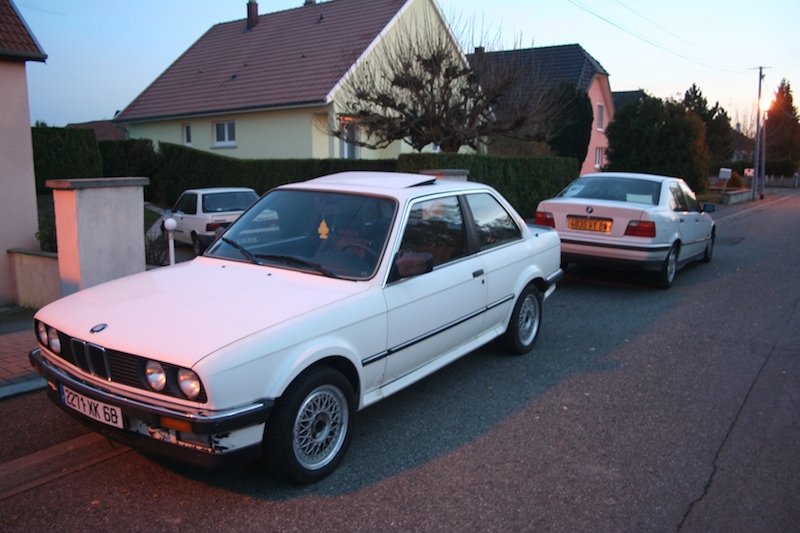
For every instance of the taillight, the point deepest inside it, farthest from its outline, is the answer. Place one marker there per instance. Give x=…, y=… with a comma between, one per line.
x=543, y=218
x=212, y=226
x=641, y=228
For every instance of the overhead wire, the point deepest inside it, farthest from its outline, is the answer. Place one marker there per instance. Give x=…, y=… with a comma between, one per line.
x=649, y=40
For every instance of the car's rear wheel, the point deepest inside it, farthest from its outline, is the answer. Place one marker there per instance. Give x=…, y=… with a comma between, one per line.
x=310, y=429
x=197, y=246
x=669, y=268
x=526, y=320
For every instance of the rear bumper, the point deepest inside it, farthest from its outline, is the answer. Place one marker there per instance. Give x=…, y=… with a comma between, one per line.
x=210, y=440
x=645, y=257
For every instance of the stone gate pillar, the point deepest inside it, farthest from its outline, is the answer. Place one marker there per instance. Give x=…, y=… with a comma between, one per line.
x=99, y=229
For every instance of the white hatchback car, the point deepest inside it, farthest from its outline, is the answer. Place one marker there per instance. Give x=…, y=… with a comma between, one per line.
x=337, y=292
x=200, y=213
x=631, y=220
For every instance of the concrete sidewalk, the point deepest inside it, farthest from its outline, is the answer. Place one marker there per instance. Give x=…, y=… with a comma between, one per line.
x=17, y=339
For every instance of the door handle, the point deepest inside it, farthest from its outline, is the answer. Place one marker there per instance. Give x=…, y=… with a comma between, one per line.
x=477, y=273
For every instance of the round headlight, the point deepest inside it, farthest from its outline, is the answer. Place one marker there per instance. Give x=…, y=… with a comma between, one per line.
x=189, y=383
x=41, y=332
x=156, y=377
x=53, y=341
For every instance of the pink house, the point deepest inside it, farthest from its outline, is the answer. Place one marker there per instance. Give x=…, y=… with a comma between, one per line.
x=549, y=66
x=17, y=182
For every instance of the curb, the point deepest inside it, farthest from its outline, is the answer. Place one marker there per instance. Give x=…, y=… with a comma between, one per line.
x=41, y=467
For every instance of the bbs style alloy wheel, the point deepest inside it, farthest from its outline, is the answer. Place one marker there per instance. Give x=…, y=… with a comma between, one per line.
x=526, y=320
x=309, y=432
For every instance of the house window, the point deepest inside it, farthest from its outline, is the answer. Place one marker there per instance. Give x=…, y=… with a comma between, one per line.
x=601, y=121
x=225, y=134
x=598, y=158
x=187, y=134
x=349, y=150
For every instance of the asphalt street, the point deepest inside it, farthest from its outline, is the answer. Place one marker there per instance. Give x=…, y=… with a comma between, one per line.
x=638, y=410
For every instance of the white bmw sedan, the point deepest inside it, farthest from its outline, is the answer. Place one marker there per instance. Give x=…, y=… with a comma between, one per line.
x=627, y=220
x=336, y=292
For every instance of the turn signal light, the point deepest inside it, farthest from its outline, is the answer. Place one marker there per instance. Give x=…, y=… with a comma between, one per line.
x=543, y=218
x=641, y=228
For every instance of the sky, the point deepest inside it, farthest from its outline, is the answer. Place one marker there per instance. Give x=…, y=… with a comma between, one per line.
x=103, y=53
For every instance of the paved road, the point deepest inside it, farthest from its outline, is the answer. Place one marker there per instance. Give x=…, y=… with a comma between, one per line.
x=639, y=410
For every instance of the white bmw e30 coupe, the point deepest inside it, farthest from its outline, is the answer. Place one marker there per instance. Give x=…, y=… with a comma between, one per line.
x=321, y=299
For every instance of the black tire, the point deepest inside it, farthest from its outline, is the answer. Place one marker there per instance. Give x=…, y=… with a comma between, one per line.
x=709, y=253
x=666, y=275
x=311, y=426
x=197, y=246
x=526, y=320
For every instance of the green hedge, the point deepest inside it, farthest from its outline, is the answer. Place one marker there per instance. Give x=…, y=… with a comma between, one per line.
x=173, y=168
x=60, y=153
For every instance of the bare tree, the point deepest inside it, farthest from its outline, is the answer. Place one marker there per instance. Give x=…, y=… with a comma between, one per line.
x=418, y=87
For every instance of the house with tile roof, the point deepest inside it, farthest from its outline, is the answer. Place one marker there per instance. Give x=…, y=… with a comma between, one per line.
x=547, y=67
x=18, y=200
x=268, y=86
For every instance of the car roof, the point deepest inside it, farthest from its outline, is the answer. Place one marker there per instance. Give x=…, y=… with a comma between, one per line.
x=207, y=190
x=631, y=175
x=397, y=184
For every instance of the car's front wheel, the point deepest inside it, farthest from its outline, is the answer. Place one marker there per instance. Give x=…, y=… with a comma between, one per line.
x=523, y=328
x=310, y=430
x=709, y=253
x=669, y=268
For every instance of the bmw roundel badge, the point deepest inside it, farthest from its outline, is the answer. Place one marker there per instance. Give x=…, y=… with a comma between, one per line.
x=98, y=328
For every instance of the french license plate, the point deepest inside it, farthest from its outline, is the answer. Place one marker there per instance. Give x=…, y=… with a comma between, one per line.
x=107, y=414
x=589, y=224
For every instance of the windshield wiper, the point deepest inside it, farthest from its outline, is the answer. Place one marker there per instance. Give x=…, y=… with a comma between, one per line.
x=292, y=260
x=245, y=252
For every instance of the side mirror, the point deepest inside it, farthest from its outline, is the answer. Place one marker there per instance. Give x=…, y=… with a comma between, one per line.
x=411, y=264
x=708, y=208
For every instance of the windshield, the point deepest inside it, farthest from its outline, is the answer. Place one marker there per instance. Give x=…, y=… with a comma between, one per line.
x=333, y=234
x=614, y=188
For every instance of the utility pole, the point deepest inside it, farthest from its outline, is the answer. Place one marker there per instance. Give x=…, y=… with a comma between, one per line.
x=757, y=166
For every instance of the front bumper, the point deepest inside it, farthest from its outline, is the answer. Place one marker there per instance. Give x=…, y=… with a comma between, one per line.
x=207, y=440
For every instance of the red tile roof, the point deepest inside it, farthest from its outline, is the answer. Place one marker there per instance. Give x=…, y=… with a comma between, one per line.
x=104, y=130
x=17, y=43
x=289, y=59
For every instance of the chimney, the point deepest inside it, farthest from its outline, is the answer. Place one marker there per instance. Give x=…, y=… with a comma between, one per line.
x=252, y=14
x=309, y=3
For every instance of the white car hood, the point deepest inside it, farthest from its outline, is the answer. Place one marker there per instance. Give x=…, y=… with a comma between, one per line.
x=182, y=313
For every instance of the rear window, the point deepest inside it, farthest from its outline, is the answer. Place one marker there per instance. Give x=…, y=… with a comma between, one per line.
x=614, y=188
x=228, y=201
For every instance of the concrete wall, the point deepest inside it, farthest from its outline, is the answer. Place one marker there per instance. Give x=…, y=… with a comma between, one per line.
x=100, y=230
x=36, y=277
x=18, y=213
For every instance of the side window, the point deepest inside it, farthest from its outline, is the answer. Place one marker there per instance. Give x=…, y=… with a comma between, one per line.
x=601, y=117
x=436, y=227
x=187, y=204
x=677, y=200
x=493, y=223
x=691, y=199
